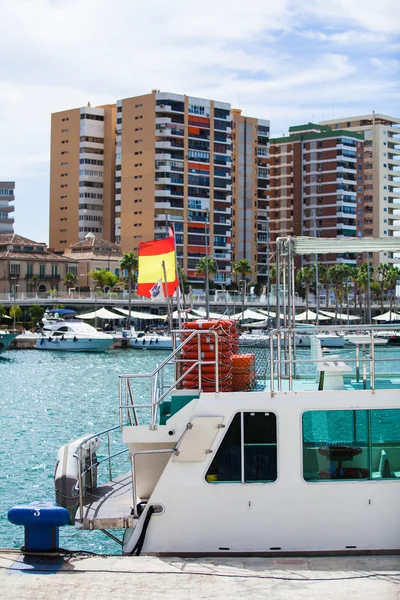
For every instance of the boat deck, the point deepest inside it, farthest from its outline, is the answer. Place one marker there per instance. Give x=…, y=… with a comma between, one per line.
x=110, y=507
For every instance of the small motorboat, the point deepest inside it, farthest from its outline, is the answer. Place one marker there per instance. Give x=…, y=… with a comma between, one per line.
x=150, y=341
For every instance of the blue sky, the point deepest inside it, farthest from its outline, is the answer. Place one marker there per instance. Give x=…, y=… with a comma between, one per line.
x=290, y=61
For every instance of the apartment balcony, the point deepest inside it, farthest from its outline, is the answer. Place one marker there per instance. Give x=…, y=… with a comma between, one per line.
x=168, y=145
x=168, y=108
x=177, y=131
x=7, y=221
x=168, y=193
x=168, y=181
x=162, y=204
x=347, y=170
x=40, y=277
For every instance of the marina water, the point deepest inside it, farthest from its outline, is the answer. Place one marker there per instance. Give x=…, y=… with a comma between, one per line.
x=50, y=398
x=46, y=400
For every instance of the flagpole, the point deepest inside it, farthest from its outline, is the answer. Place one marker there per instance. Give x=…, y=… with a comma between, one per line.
x=167, y=295
x=178, y=294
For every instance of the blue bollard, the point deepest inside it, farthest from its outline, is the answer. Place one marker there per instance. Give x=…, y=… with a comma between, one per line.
x=41, y=521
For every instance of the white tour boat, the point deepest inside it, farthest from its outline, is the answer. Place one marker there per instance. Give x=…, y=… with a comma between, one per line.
x=63, y=331
x=310, y=463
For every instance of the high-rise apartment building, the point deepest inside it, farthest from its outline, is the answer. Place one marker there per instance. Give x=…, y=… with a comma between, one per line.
x=250, y=191
x=173, y=165
x=6, y=208
x=82, y=164
x=317, y=186
x=381, y=174
x=128, y=171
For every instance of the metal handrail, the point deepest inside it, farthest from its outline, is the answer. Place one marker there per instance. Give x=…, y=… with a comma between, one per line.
x=157, y=396
x=79, y=457
x=289, y=345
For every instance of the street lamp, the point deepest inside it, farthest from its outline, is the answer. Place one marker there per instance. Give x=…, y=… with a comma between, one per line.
x=95, y=305
x=15, y=302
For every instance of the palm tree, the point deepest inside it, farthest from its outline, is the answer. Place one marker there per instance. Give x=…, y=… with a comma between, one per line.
x=130, y=264
x=70, y=280
x=99, y=278
x=304, y=277
x=392, y=277
x=34, y=282
x=242, y=267
x=201, y=266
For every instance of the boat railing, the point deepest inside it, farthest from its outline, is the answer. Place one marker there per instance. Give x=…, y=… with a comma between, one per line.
x=159, y=388
x=87, y=456
x=285, y=363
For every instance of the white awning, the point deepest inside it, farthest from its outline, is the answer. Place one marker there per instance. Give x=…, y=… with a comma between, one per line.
x=202, y=314
x=313, y=245
x=101, y=313
x=387, y=316
x=310, y=316
x=248, y=314
x=140, y=315
x=340, y=316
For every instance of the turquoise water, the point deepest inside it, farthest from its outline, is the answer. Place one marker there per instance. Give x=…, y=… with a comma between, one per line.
x=48, y=399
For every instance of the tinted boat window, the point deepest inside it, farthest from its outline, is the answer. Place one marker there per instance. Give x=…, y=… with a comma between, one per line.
x=351, y=445
x=253, y=436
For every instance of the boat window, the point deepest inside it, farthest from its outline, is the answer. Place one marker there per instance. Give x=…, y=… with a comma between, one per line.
x=248, y=452
x=64, y=328
x=351, y=444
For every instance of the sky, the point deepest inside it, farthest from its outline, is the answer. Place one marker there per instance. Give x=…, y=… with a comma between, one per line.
x=290, y=61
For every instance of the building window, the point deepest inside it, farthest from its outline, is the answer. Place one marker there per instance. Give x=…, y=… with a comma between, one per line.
x=250, y=437
x=42, y=270
x=15, y=269
x=339, y=445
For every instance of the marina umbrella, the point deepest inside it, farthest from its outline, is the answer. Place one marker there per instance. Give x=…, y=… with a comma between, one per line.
x=202, y=314
x=101, y=313
x=388, y=316
x=249, y=314
x=185, y=315
x=140, y=315
x=340, y=316
x=5, y=317
x=270, y=314
x=310, y=316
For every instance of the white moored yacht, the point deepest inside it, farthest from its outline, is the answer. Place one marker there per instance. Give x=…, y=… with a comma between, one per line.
x=150, y=341
x=5, y=339
x=310, y=463
x=63, y=331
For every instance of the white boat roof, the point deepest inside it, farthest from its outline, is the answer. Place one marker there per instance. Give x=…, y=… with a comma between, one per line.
x=314, y=245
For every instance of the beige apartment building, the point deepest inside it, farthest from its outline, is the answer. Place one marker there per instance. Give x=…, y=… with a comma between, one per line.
x=250, y=191
x=28, y=266
x=172, y=165
x=82, y=162
x=381, y=174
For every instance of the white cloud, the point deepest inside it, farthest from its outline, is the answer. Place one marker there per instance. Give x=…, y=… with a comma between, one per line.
x=286, y=60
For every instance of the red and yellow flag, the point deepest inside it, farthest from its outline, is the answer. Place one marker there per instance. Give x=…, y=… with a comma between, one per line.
x=151, y=256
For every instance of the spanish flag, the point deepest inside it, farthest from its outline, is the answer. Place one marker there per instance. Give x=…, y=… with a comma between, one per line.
x=151, y=256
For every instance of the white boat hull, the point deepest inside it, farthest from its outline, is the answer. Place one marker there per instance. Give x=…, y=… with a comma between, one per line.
x=71, y=345
x=151, y=343
x=330, y=341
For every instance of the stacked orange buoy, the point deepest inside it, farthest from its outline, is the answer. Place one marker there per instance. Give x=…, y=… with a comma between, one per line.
x=227, y=345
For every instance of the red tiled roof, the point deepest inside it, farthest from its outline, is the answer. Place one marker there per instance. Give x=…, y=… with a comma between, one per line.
x=34, y=256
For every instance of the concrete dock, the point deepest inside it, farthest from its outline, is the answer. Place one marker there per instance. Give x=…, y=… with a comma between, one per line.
x=153, y=578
